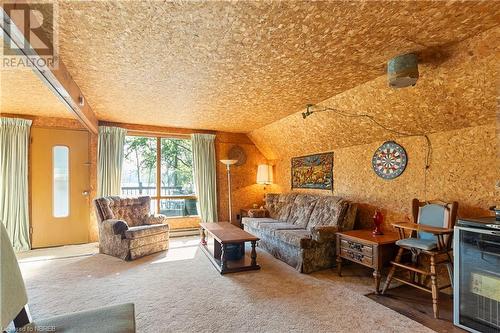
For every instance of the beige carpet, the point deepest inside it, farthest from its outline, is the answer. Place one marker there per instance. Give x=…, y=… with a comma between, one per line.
x=180, y=291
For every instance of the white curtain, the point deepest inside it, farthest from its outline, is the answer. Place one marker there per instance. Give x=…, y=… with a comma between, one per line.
x=110, y=160
x=204, y=172
x=14, y=210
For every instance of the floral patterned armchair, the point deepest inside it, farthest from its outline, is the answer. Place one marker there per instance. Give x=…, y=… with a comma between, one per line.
x=126, y=228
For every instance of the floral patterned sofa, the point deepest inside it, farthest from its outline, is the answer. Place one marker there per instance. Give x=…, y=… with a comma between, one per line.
x=300, y=229
x=126, y=228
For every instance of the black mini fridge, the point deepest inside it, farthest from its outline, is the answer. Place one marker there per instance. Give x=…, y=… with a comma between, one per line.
x=476, y=295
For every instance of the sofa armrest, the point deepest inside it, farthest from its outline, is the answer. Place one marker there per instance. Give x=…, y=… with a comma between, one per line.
x=324, y=233
x=114, y=226
x=156, y=219
x=257, y=213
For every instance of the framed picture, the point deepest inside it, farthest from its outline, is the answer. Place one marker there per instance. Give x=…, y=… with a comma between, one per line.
x=313, y=171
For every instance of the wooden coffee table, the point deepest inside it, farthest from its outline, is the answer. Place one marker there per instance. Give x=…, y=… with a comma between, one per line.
x=224, y=233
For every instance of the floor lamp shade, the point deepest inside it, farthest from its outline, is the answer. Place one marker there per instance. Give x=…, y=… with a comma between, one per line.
x=264, y=174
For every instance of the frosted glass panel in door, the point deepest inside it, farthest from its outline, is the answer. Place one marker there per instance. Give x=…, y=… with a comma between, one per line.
x=60, y=165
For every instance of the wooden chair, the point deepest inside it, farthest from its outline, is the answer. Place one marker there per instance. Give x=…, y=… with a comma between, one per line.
x=431, y=235
x=14, y=308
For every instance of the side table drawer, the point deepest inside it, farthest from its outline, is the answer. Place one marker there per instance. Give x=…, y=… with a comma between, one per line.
x=357, y=247
x=356, y=257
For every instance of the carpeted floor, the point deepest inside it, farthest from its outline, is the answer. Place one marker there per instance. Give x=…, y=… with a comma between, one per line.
x=180, y=291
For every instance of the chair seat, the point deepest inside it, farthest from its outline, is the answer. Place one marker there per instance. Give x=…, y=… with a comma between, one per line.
x=109, y=319
x=146, y=230
x=423, y=244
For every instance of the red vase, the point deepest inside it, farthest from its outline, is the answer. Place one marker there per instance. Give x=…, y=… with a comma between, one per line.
x=378, y=218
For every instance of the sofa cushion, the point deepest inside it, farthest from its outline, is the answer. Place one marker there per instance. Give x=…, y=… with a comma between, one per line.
x=302, y=209
x=299, y=238
x=145, y=230
x=329, y=211
x=133, y=210
x=279, y=205
x=255, y=222
x=270, y=228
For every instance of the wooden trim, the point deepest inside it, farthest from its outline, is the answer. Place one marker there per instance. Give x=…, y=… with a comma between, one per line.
x=156, y=131
x=158, y=135
x=48, y=122
x=57, y=79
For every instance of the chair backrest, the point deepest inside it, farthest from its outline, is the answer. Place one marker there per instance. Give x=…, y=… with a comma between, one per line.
x=13, y=292
x=134, y=211
x=434, y=213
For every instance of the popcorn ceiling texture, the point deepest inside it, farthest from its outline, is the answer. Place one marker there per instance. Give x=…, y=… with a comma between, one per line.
x=458, y=90
x=455, y=99
x=22, y=92
x=237, y=66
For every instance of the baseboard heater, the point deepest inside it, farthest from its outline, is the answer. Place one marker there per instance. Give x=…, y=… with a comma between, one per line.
x=184, y=232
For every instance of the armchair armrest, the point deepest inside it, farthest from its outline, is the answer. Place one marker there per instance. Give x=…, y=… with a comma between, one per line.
x=114, y=226
x=324, y=233
x=422, y=228
x=156, y=219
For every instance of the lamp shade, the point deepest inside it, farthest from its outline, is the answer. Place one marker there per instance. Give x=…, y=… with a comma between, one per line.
x=264, y=174
x=402, y=71
x=229, y=162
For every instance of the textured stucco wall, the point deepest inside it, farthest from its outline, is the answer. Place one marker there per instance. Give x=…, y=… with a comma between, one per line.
x=462, y=169
x=245, y=191
x=454, y=101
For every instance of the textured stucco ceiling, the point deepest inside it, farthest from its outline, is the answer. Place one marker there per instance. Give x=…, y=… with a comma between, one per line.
x=458, y=91
x=237, y=66
x=22, y=92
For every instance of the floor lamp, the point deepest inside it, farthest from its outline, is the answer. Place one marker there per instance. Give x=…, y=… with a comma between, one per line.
x=228, y=164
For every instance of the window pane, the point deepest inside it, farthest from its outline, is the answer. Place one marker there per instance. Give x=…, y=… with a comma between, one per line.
x=176, y=167
x=178, y=207
x=139, y=166
x=60, y=174
x=152, y=206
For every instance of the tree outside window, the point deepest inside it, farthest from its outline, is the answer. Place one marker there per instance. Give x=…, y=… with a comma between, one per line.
x=173, y=193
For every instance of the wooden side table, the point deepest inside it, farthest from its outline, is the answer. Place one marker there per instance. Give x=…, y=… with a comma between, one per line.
x=360, y=246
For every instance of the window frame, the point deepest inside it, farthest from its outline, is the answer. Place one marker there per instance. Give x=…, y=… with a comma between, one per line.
x=158, y=197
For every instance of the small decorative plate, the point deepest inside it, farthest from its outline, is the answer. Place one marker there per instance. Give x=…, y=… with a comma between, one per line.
x=389, y=161
x=237, y=153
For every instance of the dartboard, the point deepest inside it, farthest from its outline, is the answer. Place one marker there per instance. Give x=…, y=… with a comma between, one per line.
x=389, y=161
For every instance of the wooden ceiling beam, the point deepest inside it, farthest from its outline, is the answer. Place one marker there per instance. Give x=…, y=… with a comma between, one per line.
x=57, y=78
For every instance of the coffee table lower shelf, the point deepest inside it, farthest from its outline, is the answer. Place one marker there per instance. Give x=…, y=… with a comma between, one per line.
x=232, y=266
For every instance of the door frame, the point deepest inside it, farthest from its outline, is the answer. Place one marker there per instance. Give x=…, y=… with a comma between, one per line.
x=30, y=171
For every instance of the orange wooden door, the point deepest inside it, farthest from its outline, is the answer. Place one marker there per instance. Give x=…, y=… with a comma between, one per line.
x=59, y=187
